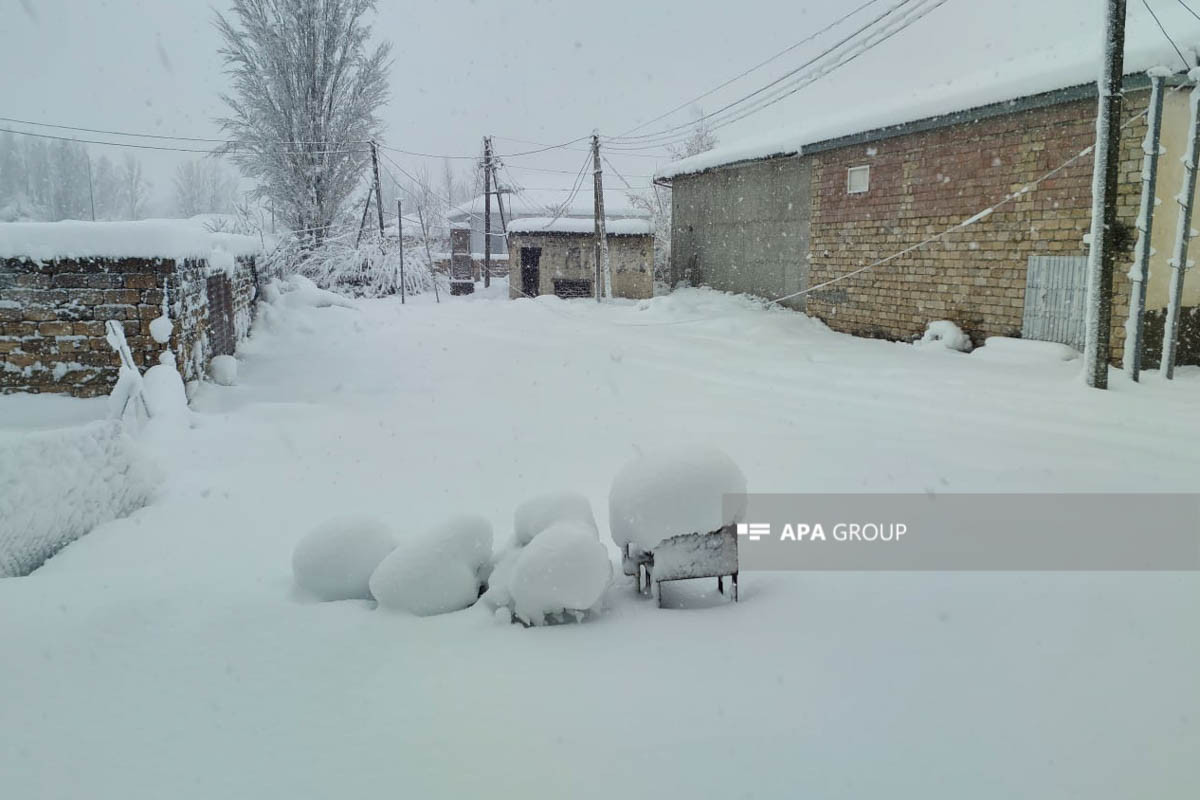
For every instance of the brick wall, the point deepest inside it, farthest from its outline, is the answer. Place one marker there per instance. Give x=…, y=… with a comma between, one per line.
x=52, y=317
x=921, y=183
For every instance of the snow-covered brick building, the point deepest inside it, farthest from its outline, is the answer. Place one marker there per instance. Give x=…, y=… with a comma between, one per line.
x=559, y=256
x=60, y=282
x=860, y=187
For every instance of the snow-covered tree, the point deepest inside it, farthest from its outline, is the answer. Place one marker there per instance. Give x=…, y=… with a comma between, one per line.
x=306, y=92
x=204, y=186
x=106, y=186
x=701, y=140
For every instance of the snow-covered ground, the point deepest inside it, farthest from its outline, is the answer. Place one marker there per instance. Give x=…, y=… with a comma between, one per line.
x=169, y=655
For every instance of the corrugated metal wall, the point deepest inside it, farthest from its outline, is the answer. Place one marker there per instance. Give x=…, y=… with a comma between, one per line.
x=1055, y=293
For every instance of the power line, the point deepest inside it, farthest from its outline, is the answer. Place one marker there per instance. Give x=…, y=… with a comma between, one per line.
x=757, y=66
x=806, y=80
x=1158, y=22
x=669, y=132
x=1189, y=9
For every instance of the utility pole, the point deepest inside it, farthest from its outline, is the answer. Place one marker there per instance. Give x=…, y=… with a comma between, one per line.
x=91, y=191
x=378, y=194
x=400, y=238
x=603, y=268
x=487, y=211
x=1132, y=362
x=1105, y=155
x=1183, y=234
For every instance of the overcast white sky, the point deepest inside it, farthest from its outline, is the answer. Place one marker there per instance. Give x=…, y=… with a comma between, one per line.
x=532, y=69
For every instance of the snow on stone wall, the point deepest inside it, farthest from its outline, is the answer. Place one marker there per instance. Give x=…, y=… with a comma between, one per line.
x=56, y=486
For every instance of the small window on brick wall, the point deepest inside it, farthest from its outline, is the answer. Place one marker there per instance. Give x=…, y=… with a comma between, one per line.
x=858, y=180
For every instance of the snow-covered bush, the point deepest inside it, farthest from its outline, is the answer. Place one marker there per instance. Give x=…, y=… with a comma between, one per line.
x=55, y=486
x=673, y=491
x=943, y=333
x=365, y=270
x=335, y=560
x=160, y=329
x=440, y=572
x=564, y=570
x=534, y=516
x=223, y=370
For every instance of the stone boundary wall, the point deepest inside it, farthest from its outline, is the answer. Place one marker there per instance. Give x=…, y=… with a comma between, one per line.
x=52, y=316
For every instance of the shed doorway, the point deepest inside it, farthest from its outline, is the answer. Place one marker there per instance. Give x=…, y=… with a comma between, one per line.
x=1055, y=294
x=531, y=258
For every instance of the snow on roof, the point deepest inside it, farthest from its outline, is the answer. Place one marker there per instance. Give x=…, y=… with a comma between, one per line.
x=1010, y=62
x=549, y=202
x=614, y=227
x=149, y=238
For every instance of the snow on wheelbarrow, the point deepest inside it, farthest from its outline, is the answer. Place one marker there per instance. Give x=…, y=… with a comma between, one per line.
x=668, y=517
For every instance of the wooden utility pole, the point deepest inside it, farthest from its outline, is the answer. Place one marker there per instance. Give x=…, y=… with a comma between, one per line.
x=362, y=224
x=603, y=271
x=1106, y=155
x=378, y=194
x=1132, y=361
x=487, y=211
x=400, y=238
x=1183, y=235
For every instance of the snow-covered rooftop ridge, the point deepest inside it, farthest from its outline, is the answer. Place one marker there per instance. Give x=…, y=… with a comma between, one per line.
x=1023, y=76
x=549, y=202
x=614, y=227
x=149, y=238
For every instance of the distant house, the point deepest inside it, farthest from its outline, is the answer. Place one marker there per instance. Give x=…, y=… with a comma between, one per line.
x=60, y=282
x=559, y=257
x=801, y=207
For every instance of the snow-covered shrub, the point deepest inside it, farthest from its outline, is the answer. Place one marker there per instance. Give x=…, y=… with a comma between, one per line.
x=160, y=329
x=534, y=516
x=440, y=572
x=673, y=491
x=365, y=270
x=944, y=333
x=564, y=570
x=55, y=486
x=223, y=370
x=335, y=560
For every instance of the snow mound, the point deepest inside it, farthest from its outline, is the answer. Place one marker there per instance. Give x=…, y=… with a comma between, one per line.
x=1005, y=349
x=943, y=333
x=223, y=370
x=534, y=516
x=563, y=570
x=440, y=572
x=673, y=491
x=160, y=329
x=335, y=560
x=499, y=591
x=297, y=291
x=55, y=486
x=162, y=386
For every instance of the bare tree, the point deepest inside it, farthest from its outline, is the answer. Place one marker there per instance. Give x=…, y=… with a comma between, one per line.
x=203, y=186
x=305, y=98
x=134, y=187
x=701, y=140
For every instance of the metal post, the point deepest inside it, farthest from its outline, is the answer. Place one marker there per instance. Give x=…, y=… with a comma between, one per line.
x=1183, y=234
x=603, y=268
x=400, y=238
x=1138, y=272
x=487, y=211
x=1106, y=157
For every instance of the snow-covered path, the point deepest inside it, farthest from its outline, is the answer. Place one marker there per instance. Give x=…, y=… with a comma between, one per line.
x=166, y=655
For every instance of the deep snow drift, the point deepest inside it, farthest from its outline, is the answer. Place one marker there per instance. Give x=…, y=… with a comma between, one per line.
x=167, y=654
